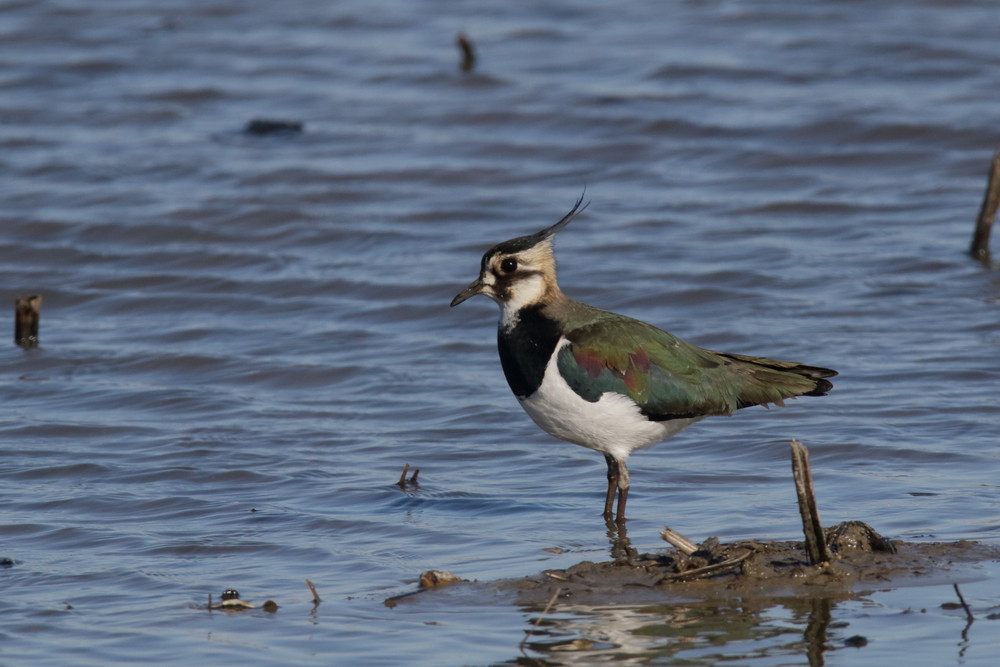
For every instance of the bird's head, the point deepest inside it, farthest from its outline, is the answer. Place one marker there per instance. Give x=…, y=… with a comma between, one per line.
x=522, y=271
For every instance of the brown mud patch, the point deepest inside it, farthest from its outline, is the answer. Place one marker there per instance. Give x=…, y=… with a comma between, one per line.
x=861, y=559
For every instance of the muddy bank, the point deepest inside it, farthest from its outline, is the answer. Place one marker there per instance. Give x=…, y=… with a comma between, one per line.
x=861, y=559
x=696, y=602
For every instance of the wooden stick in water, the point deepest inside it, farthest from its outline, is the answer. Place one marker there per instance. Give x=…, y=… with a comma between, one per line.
x=980, y=249
x=312, y=589
x=27, y=312
x=816, y=546
x=468, y=52
x=403, y=482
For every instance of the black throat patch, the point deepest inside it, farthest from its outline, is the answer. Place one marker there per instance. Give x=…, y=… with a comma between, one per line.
x=525, y=350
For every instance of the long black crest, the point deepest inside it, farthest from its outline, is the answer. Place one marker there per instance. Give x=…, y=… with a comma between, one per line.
x=573, y=212
x=525, y=242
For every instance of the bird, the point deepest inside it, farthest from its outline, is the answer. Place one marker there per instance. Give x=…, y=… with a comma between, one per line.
x=609, y=382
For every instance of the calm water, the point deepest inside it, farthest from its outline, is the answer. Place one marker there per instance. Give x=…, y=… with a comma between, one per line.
x=244, y=339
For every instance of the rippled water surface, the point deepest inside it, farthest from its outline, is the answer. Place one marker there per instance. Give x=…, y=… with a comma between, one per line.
x=244, y=338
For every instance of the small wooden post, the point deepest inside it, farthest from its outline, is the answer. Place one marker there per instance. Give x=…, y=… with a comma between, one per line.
x=980, y=249
x=26, y=314
x=816, y=546
x=468, y=52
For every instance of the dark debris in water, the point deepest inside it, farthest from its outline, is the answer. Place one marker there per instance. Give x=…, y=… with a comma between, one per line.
x=857, y=536
x=263, y=127
x=403, y=482
x=770, y=559
x=230, y=601
x=432, y=578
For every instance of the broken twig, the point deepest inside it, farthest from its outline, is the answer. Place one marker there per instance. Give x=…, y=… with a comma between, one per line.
x=980, y=249
x=468, y=52
x=714, y=568
x=403, y=482
x=312, y=589
x=816, y=546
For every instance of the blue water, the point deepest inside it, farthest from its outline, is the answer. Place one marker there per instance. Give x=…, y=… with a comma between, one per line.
x=245, y=338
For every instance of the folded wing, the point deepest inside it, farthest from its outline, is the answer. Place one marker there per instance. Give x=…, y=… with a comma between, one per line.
x=669, y=378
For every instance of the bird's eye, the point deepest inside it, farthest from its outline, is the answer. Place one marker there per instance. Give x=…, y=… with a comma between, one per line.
x=508, y=265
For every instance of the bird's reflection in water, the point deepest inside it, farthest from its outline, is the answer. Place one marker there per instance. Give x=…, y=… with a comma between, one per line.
x=622, y=551
x=701, y=632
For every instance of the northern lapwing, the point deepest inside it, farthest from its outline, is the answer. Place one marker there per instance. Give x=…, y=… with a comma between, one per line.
x=609, y=382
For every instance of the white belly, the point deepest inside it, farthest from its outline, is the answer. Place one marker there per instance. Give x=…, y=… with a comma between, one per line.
x=612, y=425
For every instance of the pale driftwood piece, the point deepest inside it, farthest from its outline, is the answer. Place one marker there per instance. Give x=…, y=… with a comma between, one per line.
x=677, y=540
x=816, y=546
x=27, y=312
x=980, y=249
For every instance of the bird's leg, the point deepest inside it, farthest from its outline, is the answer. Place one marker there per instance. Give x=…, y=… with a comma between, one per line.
x=612, y=484
x=623, y=484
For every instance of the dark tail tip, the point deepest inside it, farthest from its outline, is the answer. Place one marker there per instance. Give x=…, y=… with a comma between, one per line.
x=818, y=375
x=821, y=389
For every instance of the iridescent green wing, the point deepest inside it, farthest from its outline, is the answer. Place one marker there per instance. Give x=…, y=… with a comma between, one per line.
x=669, y=378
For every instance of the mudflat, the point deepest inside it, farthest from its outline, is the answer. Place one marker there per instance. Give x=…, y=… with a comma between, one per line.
x=861, y=559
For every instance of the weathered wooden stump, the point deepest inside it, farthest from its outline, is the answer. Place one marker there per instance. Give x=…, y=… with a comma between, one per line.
x=812, y=527
x=27, y=312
